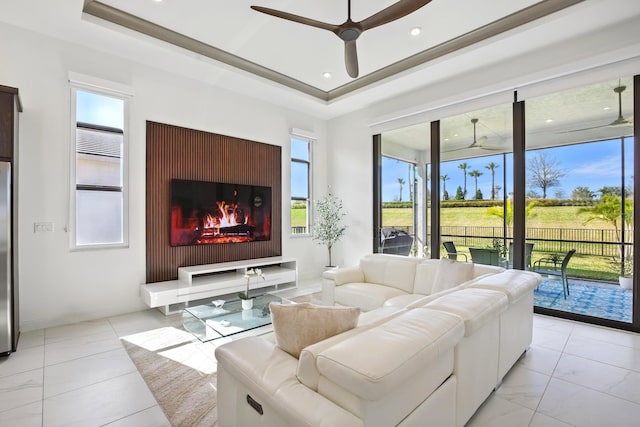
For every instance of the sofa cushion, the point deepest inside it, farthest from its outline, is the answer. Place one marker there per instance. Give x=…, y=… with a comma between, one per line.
x=514, y=283
x=396, y=271
x=484, y=269
x=425, y=276
x=402, y=345
x=402, y=301
x=299, y=325
x=475, y=306
x=367, y=296
x=344, y=275
x=450, y=274
x=308, y=373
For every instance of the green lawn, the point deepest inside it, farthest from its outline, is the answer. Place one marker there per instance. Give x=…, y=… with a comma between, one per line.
x=298, y=217
x=542, y=217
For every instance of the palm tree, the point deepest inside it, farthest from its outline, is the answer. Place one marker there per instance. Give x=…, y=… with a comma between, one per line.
x=401, y=182
x=506, y=215
x=464, y=166
x=492, y=167
x=444, y=179
x=609, y=210
x=476, y=174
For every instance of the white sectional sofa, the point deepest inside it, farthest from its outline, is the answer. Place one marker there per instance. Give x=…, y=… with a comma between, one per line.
x=394, y=280
x=434, y=339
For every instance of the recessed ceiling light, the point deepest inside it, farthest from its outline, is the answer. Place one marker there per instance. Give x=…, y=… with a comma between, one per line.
x=606, y=108
x=416, y=31
x=446, y=139
x=326, y=74
x=549, y=120
x=455, y=134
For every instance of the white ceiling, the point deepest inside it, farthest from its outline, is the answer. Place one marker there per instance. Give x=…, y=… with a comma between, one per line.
x=282, y=62
x=304, y=53
x=289, y=55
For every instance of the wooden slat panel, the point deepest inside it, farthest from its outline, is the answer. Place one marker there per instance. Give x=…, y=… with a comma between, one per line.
x=175, y=152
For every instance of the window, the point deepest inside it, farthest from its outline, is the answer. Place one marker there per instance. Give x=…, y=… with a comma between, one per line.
x=300, y=184
x=98, y=196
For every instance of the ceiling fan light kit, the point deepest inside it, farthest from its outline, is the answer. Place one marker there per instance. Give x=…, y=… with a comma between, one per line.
x=349, y=31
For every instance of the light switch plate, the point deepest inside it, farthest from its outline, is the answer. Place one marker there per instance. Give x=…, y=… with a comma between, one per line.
x=43, y=227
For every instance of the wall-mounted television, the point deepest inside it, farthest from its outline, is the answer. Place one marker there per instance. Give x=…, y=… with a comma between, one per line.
x=205, y=213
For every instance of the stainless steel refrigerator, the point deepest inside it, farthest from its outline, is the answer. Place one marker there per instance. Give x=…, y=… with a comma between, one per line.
x=9, y=321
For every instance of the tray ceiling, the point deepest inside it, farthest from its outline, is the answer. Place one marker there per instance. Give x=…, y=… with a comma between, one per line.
x=297, y=56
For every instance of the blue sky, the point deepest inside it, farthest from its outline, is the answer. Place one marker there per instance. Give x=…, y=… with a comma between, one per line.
x=99, y=109
x=592, y=165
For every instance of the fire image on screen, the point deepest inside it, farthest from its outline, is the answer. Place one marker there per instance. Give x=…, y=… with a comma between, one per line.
x=204, y=213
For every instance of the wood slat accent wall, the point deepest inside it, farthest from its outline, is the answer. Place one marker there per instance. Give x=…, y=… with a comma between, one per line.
x=180, y=153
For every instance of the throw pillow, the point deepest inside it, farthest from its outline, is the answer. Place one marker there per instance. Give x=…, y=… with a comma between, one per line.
x=450, y=274
x=297, y=326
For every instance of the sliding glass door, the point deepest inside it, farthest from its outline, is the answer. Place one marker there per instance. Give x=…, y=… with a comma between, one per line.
x=475, y=177
x=580, y=150
x=546, y=183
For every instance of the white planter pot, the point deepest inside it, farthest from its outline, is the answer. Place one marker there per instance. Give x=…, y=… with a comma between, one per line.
x=625, y=282
x=247, y=304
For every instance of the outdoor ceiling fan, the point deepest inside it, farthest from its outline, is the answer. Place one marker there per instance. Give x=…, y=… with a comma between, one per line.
x=620, y=121
x=477, y=143
x=349, y=31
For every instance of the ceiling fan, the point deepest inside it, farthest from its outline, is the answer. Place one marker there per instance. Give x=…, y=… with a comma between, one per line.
x=349, y=31
x=620, y=121
x=477, y=142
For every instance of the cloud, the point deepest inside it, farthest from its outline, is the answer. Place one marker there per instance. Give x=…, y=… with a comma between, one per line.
x=607, y=167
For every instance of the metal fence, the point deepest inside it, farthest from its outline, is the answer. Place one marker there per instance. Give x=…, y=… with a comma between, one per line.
x=597, y=242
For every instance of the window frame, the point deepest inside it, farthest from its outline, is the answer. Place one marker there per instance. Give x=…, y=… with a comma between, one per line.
x=310, y=140
x=102, y=90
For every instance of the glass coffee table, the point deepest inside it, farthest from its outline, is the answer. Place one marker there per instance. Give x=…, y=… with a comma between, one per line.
x=209, y=322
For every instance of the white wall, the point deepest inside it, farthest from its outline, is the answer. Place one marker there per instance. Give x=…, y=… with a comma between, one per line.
x=58, y=286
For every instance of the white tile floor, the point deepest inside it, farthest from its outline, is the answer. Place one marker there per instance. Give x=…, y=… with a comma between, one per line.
x=80, y=375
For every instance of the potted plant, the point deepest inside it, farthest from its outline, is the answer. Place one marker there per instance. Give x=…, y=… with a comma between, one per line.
x=247, y=301
x=327, y=228
x=625, y=271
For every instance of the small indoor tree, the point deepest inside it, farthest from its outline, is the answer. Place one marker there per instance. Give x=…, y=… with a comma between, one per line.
x=327, y=227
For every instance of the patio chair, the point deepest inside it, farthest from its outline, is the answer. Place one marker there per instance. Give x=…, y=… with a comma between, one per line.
x=528, y=249
x=396, y=241
x=452, y=252
x=485, y=256
x=543, y=266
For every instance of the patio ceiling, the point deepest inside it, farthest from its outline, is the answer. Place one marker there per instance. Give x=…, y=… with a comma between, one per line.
x=572, y=116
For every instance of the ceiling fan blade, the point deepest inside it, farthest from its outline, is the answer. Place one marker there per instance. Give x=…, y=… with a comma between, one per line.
x=621, y=121
x=450, y=150
x=496, y=148
x=583, y=129
x=393, y=12
x=296, y=18
x=351, y=58
x=479, y=142
x=615, y=123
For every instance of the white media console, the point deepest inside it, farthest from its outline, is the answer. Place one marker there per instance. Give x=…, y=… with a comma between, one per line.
x=205, y=281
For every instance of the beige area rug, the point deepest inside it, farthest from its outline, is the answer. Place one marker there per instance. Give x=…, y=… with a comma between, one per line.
x=181, y=372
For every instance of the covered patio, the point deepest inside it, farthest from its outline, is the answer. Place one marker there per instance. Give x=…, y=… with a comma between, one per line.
x=588, y=297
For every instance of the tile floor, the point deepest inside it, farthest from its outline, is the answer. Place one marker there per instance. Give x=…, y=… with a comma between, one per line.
x=79, y=375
